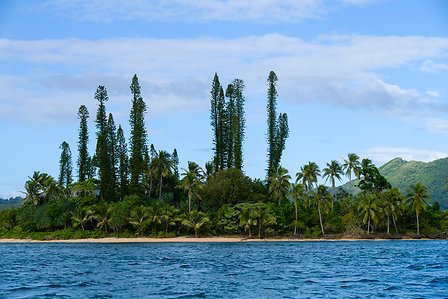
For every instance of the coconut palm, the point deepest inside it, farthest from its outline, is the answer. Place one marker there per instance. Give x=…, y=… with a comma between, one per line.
x=81, y=216
x=169, y=216
x=41, y=188
x=297, y=193
x=264, y=218
x=351, y=165
x=369, y=209
x=103, y=214
x=308, y=175
x=191, y=182
x=248, y=219
x=419, y=199
x=209, y=169
x=279, y=184
x=139, y=219
x=195, y=220
x=151, y=176
x=392, y=204
x=163, y=165
x=321, y=198
x=332, y=172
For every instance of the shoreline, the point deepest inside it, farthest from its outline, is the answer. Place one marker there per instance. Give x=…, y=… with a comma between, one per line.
x=204, y=240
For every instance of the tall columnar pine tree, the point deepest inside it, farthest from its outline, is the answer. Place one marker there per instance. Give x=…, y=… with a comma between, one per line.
x=113, y=152
x=278, y=130
x=123, y=163
x=65, y=165
x=217, y=122
x=84, y=163
x=175, y=159
x=102, y=148
x=138, y=139
x=230, y=125
x=240, y=122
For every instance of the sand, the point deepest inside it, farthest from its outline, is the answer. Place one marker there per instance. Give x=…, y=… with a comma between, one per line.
x=185, y=240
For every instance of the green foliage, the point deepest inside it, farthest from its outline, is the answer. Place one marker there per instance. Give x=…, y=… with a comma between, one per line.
x=195, y=221
x=278, y=130
x=279, y=184
x=138, y=140
x=103, y=150
x=84, y=163
x=123, y=163
x=229, y=186
x=65, y=165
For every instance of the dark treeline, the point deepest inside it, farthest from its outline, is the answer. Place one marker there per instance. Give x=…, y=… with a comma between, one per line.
x=128, y=187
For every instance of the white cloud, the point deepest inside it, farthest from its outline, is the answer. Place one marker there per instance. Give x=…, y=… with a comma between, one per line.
x=430, y=66
x=260, y=11
x=58, y=75
x=381, y=155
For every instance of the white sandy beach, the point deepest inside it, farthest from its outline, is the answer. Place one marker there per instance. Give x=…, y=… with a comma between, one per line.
x=189, y=240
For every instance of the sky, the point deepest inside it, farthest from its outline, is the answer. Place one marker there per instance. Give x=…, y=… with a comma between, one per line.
x=362, y=76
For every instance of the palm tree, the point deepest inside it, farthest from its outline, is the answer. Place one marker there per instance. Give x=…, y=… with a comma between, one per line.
x=151, y=175
x=264, y=218
x=392, y=204
x=209, y=169
x=81, y=216
x=297, y=193
x=369, y=208
x=169, y=216
x=40, y=188
x=308, y=174
x=321, y=198
x=195, y=220
x=351, y=165
x=103, y=215
x=139, y=219
x=419, y=198
x=163, y=165
x=248, y=219
x=279, y=184
x=332, y=172
x=191, y=182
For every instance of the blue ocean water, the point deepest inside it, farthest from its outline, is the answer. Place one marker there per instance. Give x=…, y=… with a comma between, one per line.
x=358, y=269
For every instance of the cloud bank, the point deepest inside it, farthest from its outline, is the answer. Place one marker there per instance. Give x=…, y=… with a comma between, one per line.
x=258, y=11
x=58, y=75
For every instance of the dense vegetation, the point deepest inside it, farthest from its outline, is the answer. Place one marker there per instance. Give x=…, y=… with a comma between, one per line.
x=135, y=190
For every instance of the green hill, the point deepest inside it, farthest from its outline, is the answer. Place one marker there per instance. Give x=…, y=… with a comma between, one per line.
x=10, y=202
x=402, y=174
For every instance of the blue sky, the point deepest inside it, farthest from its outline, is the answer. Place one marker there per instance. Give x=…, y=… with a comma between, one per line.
x=362, y=76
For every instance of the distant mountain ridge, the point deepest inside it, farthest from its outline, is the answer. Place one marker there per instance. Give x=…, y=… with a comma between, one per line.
x=402, y=174
x=6, y=203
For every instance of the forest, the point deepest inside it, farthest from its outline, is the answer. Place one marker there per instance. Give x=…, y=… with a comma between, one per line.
x=128, y=187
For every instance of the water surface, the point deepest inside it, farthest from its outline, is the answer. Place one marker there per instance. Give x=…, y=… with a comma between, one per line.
x=401, y=269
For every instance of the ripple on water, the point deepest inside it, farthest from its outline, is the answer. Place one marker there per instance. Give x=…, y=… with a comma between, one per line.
x=261, y=270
